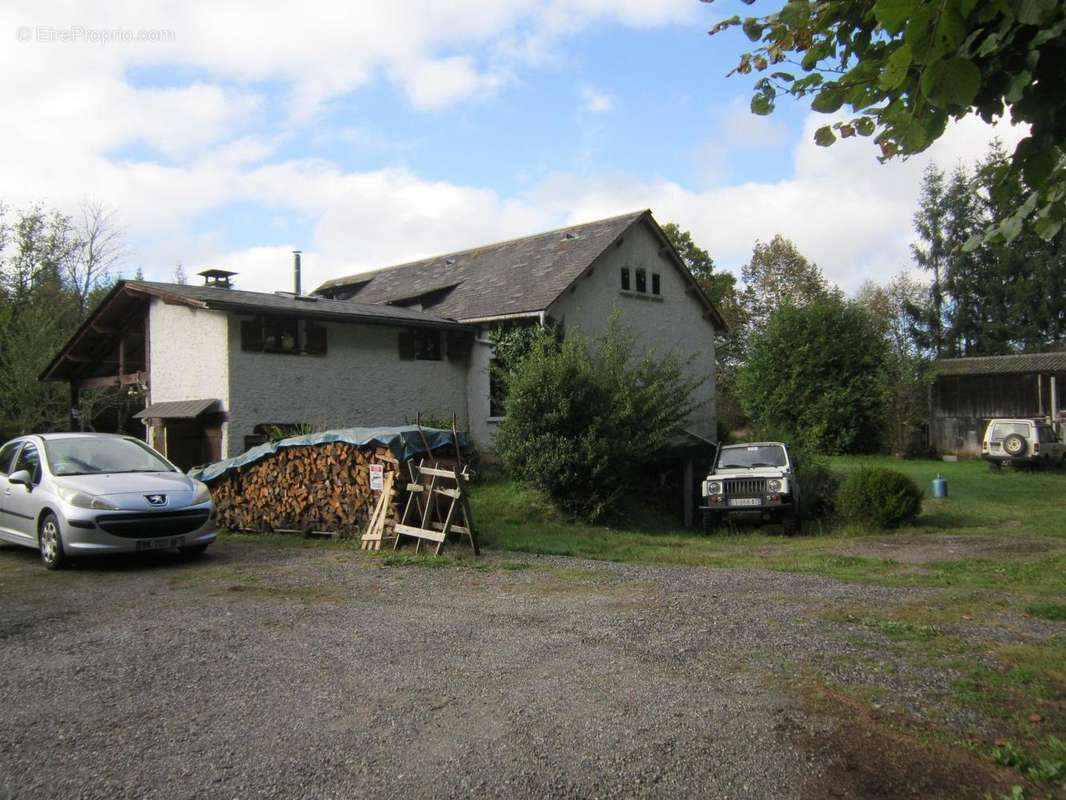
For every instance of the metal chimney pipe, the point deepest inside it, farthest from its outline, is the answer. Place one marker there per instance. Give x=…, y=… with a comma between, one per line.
x=296, y=271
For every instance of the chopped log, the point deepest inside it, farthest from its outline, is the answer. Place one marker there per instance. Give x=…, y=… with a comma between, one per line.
x=307, y=488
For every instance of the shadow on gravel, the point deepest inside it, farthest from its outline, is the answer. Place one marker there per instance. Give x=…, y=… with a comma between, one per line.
x=14, y=556
x=871, y=760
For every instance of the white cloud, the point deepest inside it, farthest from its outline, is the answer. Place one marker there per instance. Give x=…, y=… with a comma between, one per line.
x=73, y=106
x=596, y=102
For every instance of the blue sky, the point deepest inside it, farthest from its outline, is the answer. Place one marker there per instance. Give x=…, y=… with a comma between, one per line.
x=366, y=135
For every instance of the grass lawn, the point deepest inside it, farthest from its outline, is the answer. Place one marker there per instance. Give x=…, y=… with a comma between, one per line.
x=996, y=550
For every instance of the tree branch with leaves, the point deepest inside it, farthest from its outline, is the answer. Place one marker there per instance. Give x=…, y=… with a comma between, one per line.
x=904, y=68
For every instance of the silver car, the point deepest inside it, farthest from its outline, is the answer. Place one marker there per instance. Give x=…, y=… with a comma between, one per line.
x=75, y=494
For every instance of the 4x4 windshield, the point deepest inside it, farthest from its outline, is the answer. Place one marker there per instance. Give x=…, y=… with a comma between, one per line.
x=84, y=456
x=747, y=456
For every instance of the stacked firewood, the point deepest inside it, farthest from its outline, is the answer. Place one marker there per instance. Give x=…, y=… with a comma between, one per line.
x=323, y=487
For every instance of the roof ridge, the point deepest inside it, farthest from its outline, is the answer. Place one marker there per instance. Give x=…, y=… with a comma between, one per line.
x=356, y=277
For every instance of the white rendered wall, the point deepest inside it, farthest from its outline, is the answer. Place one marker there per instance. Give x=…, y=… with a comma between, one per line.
x=674, y=322
x=361, y=381
x=188, y=357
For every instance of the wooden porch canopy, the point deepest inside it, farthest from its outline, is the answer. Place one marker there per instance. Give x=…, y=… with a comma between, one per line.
x=111, y=347
x=178, y=409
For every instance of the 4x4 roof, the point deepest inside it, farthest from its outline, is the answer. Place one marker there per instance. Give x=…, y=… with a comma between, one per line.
x=754, y=444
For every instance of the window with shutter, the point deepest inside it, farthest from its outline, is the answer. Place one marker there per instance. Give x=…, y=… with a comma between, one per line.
x=252, y=335
x=314, y=339
x=407, y=345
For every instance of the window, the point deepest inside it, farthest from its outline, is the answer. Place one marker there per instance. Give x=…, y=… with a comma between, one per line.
x=642, y=280
x=656, y=286
x=625, y=279
x=30, y=460
x=420, y=344
x=283, y=335
x=280, y=335
x=314, y=339
x=1003, y=429
x=497, y=390
x=1046, y=434
x=7, y=455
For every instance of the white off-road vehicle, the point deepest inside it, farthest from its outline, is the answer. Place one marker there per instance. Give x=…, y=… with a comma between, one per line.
x=1022, y=442
x=754, y=482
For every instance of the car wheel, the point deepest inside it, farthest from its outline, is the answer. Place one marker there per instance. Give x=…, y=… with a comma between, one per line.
x=50, y=542
x=791, y=523
x=1015, y=445
x=193, y=551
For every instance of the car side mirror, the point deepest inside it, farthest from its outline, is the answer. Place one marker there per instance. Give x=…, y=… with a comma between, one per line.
x=21, y=477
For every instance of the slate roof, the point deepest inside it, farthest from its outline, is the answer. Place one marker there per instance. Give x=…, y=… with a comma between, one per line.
x=237, y=300
x=1003, y=365
x=517, y=276
x=176, y=409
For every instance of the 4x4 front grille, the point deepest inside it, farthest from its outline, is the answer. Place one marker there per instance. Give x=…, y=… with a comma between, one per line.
x=745, y=487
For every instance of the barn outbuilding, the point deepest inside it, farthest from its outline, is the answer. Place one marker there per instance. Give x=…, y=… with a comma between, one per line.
x=968, y=392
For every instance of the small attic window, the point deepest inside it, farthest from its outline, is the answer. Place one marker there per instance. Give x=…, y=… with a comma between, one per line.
x=656, y=285
x=450, y=262
x=625, y=279
x=571, y=235
x=642, y=280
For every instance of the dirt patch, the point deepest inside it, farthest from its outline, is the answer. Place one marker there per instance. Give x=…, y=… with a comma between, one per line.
x=869, y=759
x=924, y=549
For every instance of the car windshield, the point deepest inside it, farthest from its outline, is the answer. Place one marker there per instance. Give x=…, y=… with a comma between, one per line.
x=750, y=455
x=85, y=456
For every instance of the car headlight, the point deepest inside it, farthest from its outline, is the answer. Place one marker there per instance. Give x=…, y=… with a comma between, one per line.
x=83, y=500
x=774, y=484
x=714, y=487
x=201, y=495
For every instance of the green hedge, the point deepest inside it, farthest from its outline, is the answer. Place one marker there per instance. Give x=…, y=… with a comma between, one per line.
x=881, y=497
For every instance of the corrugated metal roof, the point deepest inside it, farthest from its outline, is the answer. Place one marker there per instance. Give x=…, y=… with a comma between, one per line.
x=176, y=409
x=512, y=277
x=1002, y=365
x=237, y=300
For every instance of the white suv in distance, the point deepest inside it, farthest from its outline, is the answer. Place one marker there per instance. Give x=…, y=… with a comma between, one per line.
x=1022, y=442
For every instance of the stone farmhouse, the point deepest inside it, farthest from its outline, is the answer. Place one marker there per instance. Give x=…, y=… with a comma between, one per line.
x=219, y=366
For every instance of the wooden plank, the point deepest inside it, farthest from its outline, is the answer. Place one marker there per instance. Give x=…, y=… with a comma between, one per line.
x=421, y=533
x=453, y=529
x=436, y=472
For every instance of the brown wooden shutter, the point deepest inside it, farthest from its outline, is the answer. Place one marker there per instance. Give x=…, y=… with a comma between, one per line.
x=315, y=341
x=252, y=335
x=407, y=345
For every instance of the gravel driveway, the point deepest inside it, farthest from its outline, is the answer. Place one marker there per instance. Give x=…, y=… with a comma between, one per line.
x=266, y=671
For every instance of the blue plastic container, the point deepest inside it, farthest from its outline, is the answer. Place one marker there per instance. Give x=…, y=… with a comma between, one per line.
x=940, y=486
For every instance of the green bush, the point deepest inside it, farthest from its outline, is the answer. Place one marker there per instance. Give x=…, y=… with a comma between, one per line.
x=881, y=497
x=583, y=421
x=815, y=372
x=818, y=485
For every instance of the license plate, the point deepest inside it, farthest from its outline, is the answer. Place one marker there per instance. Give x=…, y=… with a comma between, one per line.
x=745, y=501
x=161, y=544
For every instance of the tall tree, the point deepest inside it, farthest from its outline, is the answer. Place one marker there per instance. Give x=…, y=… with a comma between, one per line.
x=99, y=246
x=813, y=372
x=777, y=275
x=905, y=68
x=906, y=373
